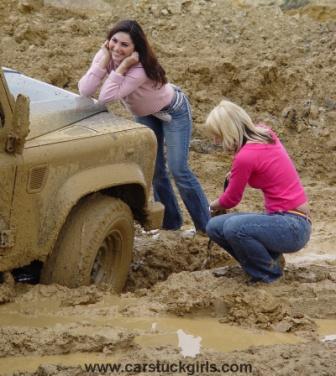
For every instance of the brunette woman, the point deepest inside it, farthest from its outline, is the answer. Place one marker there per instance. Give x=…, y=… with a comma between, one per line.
x=126, y=68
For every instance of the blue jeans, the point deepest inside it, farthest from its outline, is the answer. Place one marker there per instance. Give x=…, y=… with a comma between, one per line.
x=176, y=134
x=257, y=240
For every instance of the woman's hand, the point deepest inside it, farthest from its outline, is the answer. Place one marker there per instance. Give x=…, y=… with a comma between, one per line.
x=215, y=208
x=128, y=62
x=106, y=56
x=131, y=60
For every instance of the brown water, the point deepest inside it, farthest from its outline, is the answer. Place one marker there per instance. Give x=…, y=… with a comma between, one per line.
x=215, y=336
x=150, y=332
x=326, y=327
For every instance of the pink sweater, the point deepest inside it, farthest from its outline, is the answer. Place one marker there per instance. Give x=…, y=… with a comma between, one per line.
x=134, y=88
x=269, y=168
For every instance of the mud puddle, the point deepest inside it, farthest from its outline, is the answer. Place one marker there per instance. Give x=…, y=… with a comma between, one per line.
x=215, y=335
x=326, y=327
x=148, y=334
x=161, y=333
x=151, y=331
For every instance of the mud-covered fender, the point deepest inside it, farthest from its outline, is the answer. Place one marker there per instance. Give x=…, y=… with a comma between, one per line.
x=80, y=185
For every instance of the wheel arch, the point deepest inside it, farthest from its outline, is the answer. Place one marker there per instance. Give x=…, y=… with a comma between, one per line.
x=124, y=181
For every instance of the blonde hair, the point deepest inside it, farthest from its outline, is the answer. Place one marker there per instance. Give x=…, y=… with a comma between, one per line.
x=234, y=127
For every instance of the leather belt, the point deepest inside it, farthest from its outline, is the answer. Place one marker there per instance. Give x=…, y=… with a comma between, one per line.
x=301, y=214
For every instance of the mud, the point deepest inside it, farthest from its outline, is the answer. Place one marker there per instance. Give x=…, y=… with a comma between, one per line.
x=7, y=289
x=62, y=340
x=277, y=60
x=291, y=319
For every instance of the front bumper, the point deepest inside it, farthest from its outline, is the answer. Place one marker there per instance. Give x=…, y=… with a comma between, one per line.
x=154, y=216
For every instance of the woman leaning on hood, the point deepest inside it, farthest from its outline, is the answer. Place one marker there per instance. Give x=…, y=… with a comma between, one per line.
x=257, y=240
x=127, y=70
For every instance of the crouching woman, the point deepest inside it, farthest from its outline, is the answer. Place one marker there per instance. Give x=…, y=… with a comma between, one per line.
x=257, y=240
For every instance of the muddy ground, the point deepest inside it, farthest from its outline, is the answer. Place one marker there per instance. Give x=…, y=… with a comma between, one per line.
x=277, y=61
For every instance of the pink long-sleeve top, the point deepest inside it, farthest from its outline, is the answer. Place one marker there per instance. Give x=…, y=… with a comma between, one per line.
x=269, y=168
x=135, y=89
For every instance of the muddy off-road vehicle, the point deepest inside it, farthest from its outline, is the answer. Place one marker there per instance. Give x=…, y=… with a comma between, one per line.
x=73, y=179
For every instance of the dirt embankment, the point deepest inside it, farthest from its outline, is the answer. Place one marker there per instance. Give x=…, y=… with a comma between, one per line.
x=212, y=49
x=278, y=63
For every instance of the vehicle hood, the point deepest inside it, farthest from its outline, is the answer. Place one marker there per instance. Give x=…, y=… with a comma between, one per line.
x=49, y=116
x=97, y=125
x=51, y=108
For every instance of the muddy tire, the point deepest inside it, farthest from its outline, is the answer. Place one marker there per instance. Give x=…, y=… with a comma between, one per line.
x=94, y=246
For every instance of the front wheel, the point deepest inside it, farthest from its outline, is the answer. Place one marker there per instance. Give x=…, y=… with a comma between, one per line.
x=94, y=246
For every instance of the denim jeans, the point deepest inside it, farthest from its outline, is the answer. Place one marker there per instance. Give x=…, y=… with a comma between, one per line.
x=257, y=240
x=176, y=134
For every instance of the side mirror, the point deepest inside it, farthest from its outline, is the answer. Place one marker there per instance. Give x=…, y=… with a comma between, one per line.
x=20, y=125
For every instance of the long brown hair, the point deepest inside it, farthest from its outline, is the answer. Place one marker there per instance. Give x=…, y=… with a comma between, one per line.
x=150, y=63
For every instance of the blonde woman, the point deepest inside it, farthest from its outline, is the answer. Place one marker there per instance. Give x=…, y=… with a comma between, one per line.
x=257, y=240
